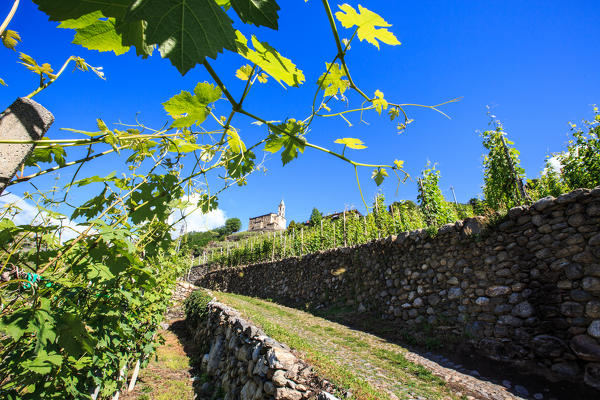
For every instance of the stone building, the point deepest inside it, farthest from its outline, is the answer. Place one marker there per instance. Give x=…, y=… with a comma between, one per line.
x=269, y=222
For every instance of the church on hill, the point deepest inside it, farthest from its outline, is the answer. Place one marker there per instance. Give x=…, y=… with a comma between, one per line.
x=269, y=222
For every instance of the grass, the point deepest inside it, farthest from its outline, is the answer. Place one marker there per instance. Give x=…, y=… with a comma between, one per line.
x=167, y=377
x=366, y=366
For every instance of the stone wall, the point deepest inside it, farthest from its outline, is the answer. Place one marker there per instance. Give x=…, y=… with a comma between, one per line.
x=247, y=365
x=523, y=289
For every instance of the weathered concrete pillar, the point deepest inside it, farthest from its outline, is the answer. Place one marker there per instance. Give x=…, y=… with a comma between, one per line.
x=24, y=120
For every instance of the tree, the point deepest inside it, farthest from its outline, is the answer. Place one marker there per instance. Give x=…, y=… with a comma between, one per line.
x=315, y=217
x=503, y=175
x=197, y=241
x=232, y=225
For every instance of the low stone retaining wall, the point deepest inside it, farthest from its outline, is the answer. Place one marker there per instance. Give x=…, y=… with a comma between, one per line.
x=525, y=289
x=248, y=365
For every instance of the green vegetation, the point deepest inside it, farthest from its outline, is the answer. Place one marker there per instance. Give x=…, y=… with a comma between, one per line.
x=436, y=210
x=502, y=174
x=196, y=242
x=195, y=306
x=315, y=217
x=366, y=366
x=581, y=161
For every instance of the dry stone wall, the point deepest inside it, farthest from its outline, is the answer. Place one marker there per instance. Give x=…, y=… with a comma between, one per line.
x=248, y=365
x=524, y=289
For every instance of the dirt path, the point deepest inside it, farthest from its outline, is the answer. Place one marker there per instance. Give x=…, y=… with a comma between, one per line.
x=369, y=366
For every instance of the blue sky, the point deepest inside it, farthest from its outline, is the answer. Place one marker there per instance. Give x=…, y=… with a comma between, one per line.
x=535, y=63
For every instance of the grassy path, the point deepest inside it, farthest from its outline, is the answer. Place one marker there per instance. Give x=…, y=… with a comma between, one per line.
x=369, y=367
x=168, y=376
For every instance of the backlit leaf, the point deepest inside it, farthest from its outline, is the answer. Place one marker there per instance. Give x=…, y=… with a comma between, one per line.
x=188, y=109
x=267, y=58
x=257, y=12
x=379, y=175
x=353, y=143
x=398, y=164
x=332, y=82
x=244, y=72
x=10, y=39
x=367, y=22
x=289, y=136
x=379, y=102
x=101, y=36
x=186, y=31
x=207, y=93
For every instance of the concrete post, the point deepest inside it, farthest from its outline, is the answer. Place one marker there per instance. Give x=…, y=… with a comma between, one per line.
x=24, y=120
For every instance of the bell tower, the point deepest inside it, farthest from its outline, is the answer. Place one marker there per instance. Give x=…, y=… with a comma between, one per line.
x=281, y=211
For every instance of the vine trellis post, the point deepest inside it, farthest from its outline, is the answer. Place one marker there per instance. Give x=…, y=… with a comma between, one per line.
x=25, y=120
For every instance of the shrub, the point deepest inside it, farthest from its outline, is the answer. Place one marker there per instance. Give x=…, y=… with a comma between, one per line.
x=195, y=306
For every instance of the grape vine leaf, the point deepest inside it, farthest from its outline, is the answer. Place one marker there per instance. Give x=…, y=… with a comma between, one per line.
x=32, y=65
x=367, y=22
x=267, y=58
x=188, y=109
x=398, y=164
x=353, y=143
x=15, y=324
x=332, y=82
x=101, y=35
x=43, y=363
x=73, y=9
x=289, y=136
x=117, y=36
x=244, y=72
x=186, y=32
x=257, y=12
x=133, y=33
x=10, y=39
x=82, y=21
x=379, y=175
x=379, y=102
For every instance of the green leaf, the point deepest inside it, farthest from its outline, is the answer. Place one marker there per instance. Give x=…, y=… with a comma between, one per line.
x=73, y=335
x=257, y=12
x=101, y=36
x=15, y=324
x=2, y=82
x=32, y=65
x=332, y=82
x=133, y=33
x=182, y=146
x=289, y=136
x=10, y=39
x=186, y=31
x=379, y=102
x=367, y=22
x=244, y=72
x=379, y=175
x=188, y=109
x=43, y=363
x=267, y=58
x=235, y=142
x=49, y=154
x=82, y=21
x=207, y=93
x=73, y=9
x=353, y=143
